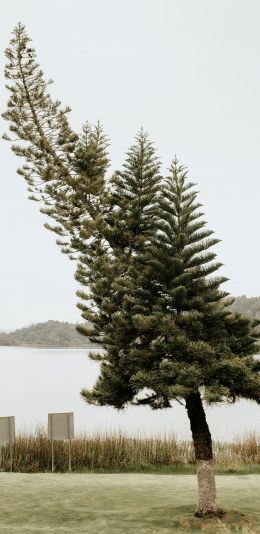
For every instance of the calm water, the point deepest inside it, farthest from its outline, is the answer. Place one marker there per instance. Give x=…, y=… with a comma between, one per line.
x=34, y=382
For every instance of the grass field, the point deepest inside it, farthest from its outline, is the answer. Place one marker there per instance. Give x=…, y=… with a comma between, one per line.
x=122, y=504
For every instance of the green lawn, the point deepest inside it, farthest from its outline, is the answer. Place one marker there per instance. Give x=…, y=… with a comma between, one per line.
x=122, y=504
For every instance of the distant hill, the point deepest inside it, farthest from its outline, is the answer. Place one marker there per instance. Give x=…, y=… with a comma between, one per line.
x=49, y=334
x=61, y=334
x=248, y=306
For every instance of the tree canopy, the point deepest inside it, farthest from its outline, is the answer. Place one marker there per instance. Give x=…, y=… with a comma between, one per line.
x=142, y=248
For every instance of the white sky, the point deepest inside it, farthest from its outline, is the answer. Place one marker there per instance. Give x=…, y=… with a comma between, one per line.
x=189, y=73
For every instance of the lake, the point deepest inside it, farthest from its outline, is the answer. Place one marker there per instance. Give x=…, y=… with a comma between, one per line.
x=34, y=382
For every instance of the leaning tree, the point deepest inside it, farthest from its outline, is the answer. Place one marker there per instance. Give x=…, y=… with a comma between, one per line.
x=143, y=260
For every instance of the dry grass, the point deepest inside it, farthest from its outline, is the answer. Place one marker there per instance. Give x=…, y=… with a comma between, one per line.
x=242, y=452
x=32, y=453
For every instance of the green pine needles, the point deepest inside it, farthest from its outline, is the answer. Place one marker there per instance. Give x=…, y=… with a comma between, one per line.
x=144, y=261
x=164, y=322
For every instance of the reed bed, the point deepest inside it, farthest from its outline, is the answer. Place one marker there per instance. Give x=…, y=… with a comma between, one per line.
x=32, y=453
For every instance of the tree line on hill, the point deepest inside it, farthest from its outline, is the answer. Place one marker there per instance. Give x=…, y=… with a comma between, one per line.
x=49, y=334
x=248, y=306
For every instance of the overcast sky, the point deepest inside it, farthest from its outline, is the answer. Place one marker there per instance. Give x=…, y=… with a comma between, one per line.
x=189, y=73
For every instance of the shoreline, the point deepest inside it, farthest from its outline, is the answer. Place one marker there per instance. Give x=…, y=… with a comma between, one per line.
x=52, y=346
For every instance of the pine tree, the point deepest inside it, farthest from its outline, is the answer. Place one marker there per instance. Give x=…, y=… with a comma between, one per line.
x=64, y=171
x=143, y=261
x=128, y=222
x=171, y=334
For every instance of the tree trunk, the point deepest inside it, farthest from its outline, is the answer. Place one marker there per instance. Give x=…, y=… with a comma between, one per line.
x=203, y=452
